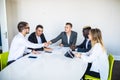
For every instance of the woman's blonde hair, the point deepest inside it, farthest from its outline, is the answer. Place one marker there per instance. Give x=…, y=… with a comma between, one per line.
x=97, y=37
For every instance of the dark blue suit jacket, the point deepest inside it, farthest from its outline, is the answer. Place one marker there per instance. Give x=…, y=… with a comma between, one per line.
x=82, y=46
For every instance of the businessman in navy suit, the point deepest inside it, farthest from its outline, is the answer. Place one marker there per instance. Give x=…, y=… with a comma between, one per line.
x=85, y=46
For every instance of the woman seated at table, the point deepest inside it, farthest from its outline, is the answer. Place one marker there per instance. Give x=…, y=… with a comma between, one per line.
x=97, y=56
x=68, y=37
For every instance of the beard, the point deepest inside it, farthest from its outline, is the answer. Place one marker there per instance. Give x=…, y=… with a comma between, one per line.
x=27, y=32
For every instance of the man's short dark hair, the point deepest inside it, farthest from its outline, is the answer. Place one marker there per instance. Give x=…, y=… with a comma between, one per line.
x=87, y=28
x=21, y=26
x=39, y=26
x=68, y=23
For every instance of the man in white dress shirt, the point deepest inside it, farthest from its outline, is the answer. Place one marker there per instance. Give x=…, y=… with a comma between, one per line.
x=20, y=43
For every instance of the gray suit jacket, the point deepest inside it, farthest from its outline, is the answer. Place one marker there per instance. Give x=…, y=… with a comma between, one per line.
x=63, y=37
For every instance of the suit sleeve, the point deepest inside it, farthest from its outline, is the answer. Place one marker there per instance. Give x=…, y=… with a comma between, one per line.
x=75, y=39
x=83, y=50
x=81, y=45
x=30, y=38
x=44, y=39
x=57, y=38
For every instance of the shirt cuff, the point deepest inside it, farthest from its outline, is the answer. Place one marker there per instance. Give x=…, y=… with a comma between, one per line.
x=43, y=45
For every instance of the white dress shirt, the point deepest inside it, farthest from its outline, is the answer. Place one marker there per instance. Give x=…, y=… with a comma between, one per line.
x=99, y=60
x=39, y=39
x=87, y=43
x=68, y=38
x=18, y=46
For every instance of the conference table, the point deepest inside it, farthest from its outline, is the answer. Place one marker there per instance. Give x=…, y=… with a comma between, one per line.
x=46, y=66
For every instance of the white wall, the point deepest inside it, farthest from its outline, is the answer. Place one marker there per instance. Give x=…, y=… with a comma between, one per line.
x=3, y=26
x=53, y=14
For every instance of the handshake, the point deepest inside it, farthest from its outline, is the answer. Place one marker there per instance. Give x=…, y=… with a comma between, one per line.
x=46, y=44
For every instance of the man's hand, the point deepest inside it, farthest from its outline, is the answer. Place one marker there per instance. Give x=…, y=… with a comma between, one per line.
x=78, y=55
x=73, y=47
x=61, y=45
x=46, y=44
x=48, y=49
x=35, y=52
x=49, y=42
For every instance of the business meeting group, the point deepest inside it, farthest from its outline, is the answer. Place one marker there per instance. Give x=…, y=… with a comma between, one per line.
x=91, y=50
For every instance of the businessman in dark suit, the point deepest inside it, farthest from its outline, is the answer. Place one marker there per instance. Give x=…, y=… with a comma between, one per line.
x=68, y=37
x=37, y=37
x=85, y=46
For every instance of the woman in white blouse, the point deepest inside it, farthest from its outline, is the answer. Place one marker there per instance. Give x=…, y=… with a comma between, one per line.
x=97, y=57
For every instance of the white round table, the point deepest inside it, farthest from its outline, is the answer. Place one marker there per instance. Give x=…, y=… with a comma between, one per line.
x=47, y=66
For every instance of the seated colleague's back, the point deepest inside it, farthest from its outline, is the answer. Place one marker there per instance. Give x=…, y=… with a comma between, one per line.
x=37, y=37
x=68, y=37
x=85, y=46
x=19, y=43
x=97, y=56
